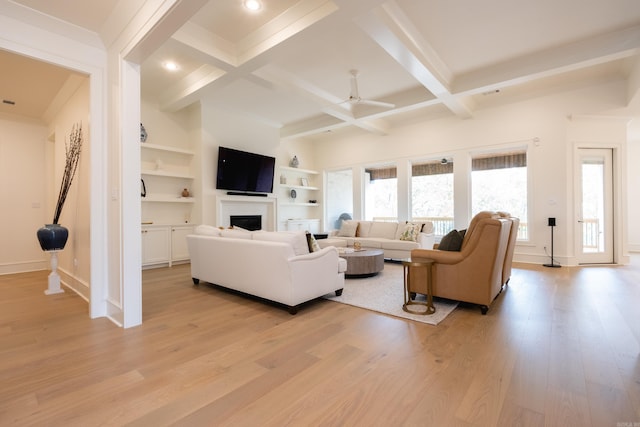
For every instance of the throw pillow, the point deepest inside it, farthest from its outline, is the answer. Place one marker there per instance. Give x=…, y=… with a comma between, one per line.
x=451, y=242
x=348, y=229
x=411, y=232
x=312, y=243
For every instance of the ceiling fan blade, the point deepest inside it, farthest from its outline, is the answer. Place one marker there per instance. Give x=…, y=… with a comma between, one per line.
x=354, y=98
x=376, y=103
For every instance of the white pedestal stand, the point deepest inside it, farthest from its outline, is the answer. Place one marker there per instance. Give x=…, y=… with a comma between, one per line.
x=54, y=277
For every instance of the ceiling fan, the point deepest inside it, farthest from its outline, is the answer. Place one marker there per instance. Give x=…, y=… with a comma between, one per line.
x=355, y=99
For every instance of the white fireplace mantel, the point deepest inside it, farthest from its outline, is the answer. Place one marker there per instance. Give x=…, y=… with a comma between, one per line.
x=246, y=205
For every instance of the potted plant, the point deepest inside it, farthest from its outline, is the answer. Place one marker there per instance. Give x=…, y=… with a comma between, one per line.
x=53, y=237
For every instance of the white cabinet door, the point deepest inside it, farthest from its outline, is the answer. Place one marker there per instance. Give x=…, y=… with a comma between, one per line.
x=310, y=225
x=155, y=245
x=179, y=250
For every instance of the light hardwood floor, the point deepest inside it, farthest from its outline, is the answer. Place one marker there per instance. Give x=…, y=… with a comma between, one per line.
x=559, y=347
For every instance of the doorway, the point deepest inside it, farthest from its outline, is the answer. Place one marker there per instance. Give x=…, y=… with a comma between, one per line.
x=594, y=206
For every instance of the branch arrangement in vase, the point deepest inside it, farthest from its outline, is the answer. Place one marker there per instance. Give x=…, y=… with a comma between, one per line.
x=72, y=157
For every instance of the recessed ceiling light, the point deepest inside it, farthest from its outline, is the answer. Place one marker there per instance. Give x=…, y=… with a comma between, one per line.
x=252, y=5
x=171, y=66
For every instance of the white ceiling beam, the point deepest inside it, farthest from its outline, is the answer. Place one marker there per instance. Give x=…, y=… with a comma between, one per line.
x=393, y=31
x=216, y=48
x=293, y=83
x=633, y=84
x=311, y=126
x=331, y=105
x=569, y=57
x=152, y=26
x=186, y=91
x=297, y=18
x=233, y=61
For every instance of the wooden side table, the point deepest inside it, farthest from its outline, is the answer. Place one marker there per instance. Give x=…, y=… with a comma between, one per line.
x=407, y=265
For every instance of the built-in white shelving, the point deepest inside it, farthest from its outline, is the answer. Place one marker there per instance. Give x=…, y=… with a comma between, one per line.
x=168, y=174
x=295, y=214
x=168, y=199
x=166, y=148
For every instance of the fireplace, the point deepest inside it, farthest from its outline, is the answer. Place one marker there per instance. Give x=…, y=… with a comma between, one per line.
x=248, y=222
x=228, y=206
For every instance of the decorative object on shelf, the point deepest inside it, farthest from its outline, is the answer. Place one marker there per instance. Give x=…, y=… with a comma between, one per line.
x=294, y=162
x=304, y=182
x=53, y=237
x=143, y=190
x=143, y=133
x=283, y=179
x=185, y=193
x=293, y=194
x=313, y=201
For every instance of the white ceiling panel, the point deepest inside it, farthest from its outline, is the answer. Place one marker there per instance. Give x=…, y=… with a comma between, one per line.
x=288, y=65
x=469, y=35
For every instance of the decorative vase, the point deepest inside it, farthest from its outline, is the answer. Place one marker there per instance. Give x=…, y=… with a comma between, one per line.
x=294, y=162
x=143, y=133
x=53, y=237
x=185, y=193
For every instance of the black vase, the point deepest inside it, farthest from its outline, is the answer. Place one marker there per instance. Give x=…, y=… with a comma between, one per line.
x=53, y=237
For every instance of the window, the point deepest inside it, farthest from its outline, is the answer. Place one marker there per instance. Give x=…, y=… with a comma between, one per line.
x=339, y=197
x=381, y=193
x=432, y=194
x=499, y=183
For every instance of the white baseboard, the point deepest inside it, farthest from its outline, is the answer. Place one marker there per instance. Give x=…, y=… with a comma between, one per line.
x=23, y=267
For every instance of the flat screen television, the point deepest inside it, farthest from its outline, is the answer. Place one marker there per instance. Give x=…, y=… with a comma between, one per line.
x=244, y=172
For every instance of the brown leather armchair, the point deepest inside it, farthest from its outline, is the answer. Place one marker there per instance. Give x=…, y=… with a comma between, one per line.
x=475, y=273
x=511, y=246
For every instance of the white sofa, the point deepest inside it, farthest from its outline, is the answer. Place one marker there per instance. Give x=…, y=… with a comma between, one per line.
x=396, y=239
x=276, y=266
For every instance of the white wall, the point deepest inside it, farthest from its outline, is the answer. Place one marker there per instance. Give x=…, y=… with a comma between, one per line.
x=220, y=128
x=75, y=260
x=547, y=126
x=633, y=201
x=24, y=174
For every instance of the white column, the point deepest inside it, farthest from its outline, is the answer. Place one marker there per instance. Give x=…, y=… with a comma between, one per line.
x=54, y=277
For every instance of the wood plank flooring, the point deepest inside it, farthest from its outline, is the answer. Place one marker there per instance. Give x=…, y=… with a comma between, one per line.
x=559, y=347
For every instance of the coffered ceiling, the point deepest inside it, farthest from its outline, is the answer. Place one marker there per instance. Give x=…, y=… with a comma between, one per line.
x=289, y=64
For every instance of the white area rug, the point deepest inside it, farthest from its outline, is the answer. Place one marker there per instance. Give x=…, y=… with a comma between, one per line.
x=384, y=293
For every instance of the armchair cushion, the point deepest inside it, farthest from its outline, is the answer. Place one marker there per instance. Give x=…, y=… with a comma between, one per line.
x=452, y=241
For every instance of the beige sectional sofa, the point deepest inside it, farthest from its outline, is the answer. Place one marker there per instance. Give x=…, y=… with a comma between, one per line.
x=396, y=239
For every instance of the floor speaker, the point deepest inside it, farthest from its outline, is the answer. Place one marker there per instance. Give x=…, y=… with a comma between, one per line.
x=552, y=223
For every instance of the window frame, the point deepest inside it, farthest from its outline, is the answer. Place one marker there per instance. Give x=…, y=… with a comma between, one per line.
x=505, y=151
